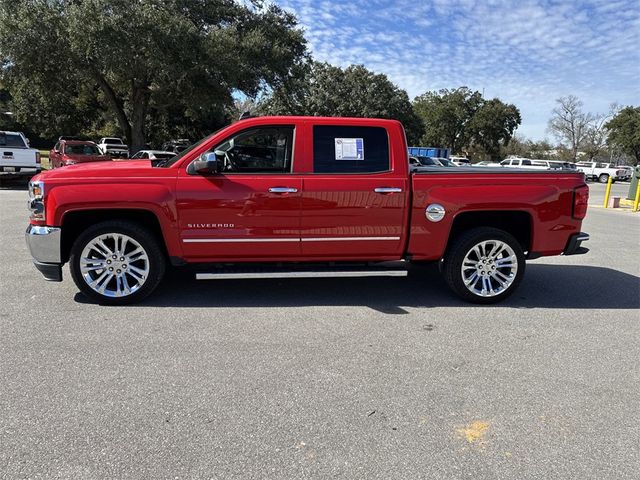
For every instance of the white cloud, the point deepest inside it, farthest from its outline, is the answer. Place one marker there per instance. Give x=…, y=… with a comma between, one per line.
x=528, y=53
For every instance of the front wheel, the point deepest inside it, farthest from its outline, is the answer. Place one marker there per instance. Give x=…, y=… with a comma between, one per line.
x=117, y=262
x=484, y=265
x=603, y=178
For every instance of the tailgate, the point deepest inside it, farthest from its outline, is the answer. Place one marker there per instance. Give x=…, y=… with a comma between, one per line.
x=17, y=157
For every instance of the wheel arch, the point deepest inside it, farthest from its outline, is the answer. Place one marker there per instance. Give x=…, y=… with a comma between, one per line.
x=76, y=221
x=518, y=223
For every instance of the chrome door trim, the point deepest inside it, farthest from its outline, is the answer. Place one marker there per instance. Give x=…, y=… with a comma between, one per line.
x=347, y=239
x=239, y=240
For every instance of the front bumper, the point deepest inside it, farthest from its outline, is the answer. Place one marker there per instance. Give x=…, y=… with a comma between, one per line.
x=574, y=244
x=44, y=244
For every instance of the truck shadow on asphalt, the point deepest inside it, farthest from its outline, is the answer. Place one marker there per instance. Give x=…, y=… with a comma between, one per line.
x=544, y=286
x=14, y=183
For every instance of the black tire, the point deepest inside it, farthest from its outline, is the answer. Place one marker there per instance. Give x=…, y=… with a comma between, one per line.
x=462, y=245
x=148, y=241
x=603, y=178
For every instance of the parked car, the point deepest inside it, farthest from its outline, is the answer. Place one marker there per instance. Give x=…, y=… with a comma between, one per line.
x=70, y=152
x=418, y=162
x=628, y=172
x=625, y=173
x=114, y=147
x=562, y=165
x=253, y=193
x=460, y=161
x=445, y=162
x=152, y=155
x=16, y=157
x=531, y=164
x=70, y=137
x=176, y=146
x=600, y=171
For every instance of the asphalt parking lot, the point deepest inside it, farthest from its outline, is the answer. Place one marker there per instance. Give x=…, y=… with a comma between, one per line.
x=327, y=378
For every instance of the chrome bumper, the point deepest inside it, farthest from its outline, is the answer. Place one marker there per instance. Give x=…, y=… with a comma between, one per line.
x=44, y=243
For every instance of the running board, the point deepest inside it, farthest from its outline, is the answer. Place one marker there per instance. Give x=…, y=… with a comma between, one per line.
x=243, y=273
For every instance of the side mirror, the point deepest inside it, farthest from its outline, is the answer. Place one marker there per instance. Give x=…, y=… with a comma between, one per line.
x=206, y=164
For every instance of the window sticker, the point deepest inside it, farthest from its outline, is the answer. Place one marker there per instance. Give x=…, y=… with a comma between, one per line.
x=349, y=149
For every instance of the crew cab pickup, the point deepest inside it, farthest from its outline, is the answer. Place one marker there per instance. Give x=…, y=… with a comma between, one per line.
x=294, y=197
x=601, y=171
x=114, y=147
x=16, y=158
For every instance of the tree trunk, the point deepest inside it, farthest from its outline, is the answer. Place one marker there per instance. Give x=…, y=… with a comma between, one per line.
x=114, y=102
x=140, y=102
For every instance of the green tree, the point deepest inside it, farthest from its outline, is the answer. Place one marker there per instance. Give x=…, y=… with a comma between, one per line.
x=145, y=63
x=461, y=119
x=492, y=126
x=624, y=132
x=324, y=90
x=446, y=115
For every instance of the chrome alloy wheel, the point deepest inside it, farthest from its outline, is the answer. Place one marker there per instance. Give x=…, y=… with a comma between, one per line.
x=489, y=268
x=114, y=265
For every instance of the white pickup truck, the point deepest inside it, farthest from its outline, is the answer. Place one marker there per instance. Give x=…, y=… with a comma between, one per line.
x=601, y=171
x=114, y=147
x=16, y=158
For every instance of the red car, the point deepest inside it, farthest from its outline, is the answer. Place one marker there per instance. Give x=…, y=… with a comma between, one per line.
x=295, y=197
x=70, y=152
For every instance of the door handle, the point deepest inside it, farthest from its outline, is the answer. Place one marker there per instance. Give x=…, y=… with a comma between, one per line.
x=387, y=190
x=283, y=190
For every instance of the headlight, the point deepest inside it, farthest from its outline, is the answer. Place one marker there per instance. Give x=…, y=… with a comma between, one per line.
x=36, y=190
x=36, y=200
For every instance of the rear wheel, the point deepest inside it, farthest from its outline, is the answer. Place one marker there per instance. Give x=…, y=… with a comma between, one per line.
x=117, y=262
x=484, y=265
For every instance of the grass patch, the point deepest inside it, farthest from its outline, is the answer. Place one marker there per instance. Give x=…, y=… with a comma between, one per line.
x=44, y=159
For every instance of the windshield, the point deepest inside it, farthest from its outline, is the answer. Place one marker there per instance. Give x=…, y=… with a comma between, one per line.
x=429, y=162
x=180, y=156
x=81, y=150
x=164, y=156
x=446, y=162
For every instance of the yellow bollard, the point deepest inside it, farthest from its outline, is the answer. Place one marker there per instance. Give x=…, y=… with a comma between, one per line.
x=607, y=192
x=637, y=200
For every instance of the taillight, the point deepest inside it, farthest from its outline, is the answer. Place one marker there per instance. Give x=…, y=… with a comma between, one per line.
x=580, y=202
x=37, y=157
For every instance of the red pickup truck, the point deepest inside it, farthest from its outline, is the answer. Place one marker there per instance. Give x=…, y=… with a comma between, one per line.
x=299, y=196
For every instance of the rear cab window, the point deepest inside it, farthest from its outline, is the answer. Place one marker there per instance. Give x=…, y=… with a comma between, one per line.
x=11, y=140
x=340, y=149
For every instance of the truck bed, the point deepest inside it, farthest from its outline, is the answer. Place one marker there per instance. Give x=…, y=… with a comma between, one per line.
x=543, y=198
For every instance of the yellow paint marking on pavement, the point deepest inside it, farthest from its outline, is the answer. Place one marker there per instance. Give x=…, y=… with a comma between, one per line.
x=475, y=432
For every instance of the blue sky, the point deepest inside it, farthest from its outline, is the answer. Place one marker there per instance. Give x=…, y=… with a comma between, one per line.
x=525, y=52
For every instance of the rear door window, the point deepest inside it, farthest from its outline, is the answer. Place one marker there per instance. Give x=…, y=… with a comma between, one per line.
x=350, y=149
